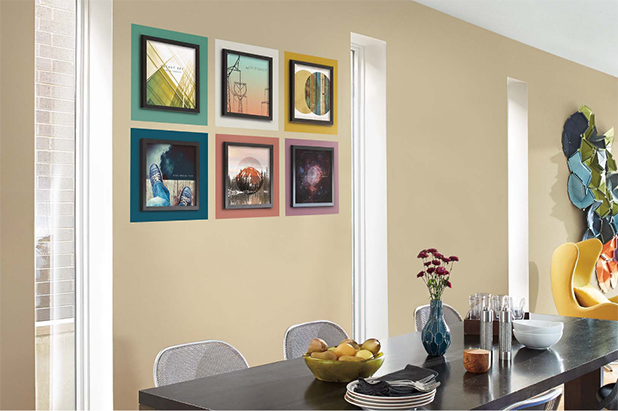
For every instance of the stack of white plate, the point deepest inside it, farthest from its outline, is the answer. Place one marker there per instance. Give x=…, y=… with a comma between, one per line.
x=537, y=335
x=372, y=402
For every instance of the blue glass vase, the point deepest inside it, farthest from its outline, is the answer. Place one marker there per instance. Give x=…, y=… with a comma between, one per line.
x=436, y=335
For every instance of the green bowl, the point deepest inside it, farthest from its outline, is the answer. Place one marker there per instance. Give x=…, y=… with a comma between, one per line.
x=343, y=371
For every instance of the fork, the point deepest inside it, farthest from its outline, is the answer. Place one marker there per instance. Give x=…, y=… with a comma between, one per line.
x=424, y=380
x=419, y=386
x=426, y=384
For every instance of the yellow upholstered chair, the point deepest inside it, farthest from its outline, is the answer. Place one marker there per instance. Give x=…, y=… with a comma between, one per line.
x=572, y=265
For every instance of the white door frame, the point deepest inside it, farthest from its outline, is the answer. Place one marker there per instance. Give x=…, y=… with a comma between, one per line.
x=370, y=240
x=93, y=211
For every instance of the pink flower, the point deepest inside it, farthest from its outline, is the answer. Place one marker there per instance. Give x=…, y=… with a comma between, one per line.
x=432, y=250
x=427, y=264
x=453, y=258
x=449, y=285
x=435, y=262
x=430, y=270
x=440, y=270
x=422, y=254
x=419, y=275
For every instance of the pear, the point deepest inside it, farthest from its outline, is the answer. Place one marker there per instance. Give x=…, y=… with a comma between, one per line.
x=372, y=345
x=352, y=343
x=326, y=355
x=345, y=349
x=350, y=358
x=317, y=345
x=366, y=354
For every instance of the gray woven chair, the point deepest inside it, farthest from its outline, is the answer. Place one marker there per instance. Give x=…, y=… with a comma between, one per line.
x=298, y=337
x=421, y=315
x=191, y=361
x=549, y=400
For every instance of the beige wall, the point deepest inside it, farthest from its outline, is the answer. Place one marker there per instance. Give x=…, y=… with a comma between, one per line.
x=176, y=282
x=17, y=204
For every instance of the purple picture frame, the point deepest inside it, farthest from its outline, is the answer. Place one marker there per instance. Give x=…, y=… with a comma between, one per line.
x=294, y=211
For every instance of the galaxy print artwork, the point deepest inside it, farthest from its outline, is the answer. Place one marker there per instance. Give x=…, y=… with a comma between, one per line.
x=248, y=175
x=312, y=176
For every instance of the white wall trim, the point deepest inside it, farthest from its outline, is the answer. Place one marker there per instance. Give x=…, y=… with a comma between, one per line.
x=93, y=211
x=518, y=235
x=370, y=242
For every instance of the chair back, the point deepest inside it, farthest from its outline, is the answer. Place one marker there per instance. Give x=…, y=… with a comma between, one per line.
x=421, y=315
x=572, y=265
x=191, y=361
x=549, y=400
x=298, y=337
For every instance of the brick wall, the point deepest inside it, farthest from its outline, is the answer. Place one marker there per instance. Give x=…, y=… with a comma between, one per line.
x=55, y=148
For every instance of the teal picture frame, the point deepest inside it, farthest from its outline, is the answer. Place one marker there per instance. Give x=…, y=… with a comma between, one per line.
x=139, y=113
x=137, y=215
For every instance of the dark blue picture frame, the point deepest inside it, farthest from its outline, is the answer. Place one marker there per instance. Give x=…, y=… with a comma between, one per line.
x=139, y=216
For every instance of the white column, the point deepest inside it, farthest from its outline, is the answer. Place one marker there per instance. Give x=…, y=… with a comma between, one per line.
x=517, y=95
x=370, y=209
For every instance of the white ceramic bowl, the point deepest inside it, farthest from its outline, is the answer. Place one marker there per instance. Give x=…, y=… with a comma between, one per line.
x=537, y=341
x=538, y=327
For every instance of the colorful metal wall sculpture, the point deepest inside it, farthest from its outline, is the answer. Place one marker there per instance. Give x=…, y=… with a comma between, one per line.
x=593, y=187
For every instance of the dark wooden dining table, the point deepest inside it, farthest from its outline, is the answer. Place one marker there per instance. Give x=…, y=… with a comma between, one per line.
x=575, y=361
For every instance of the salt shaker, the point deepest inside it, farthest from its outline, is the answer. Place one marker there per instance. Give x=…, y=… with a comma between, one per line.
x=487, y=329
x=505, y=335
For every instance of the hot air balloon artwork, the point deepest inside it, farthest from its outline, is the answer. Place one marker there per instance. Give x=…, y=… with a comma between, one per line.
x=248, y=175
x=593, y=187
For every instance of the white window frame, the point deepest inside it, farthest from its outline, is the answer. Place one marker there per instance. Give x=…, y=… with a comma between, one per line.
x=93, y=213
x=370, y=236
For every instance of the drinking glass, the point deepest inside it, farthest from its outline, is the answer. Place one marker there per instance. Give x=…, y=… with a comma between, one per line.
x=478, y=302
x=473, y=312
x=496, y=304
x=518, y=310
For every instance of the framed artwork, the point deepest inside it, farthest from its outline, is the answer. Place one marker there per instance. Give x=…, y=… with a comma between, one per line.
x=248, y=175
x=247, y=89
x=170, y=75
x=313, y=182
x=311, y=93
x=169, y=175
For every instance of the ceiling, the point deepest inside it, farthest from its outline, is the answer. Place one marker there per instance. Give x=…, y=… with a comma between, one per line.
x=583, y=31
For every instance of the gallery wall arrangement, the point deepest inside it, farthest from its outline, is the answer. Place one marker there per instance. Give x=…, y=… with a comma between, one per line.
x=169, y=169
x=593, y=187
x=169, y=175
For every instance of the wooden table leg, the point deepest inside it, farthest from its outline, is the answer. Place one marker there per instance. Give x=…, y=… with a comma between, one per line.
x=581, y=393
